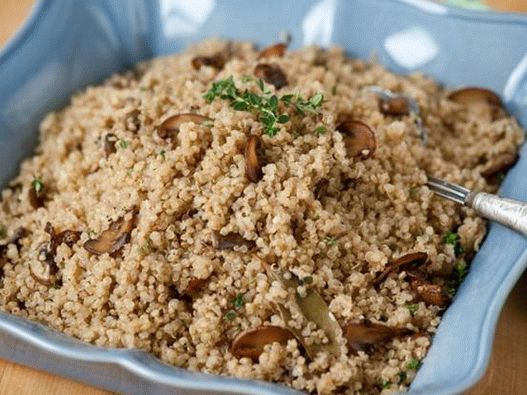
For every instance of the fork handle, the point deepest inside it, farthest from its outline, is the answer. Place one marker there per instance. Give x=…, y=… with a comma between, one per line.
x=508, y=212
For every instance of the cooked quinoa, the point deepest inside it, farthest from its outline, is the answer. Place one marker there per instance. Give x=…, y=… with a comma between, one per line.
x=164, y=282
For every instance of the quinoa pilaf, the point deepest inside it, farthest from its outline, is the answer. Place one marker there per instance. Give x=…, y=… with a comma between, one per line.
x=259, y=214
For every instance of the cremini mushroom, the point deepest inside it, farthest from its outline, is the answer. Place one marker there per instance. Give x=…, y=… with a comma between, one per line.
x=170, y=126
x=253, y=170
x=109, y=144
x=68, y=237
x=359, y=138
x=44, y=268
x=113, y=239
x=230, y=240
x=429, y=293
x=413, y=259
x=481, y=101
x=363, y=334
x=271, y=73
x=397, y=105
x=217, y=61
x=276, y=50
x=251, y=343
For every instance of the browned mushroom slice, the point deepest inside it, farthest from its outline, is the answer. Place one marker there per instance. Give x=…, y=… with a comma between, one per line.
x=109, y=144
x=217, y=61
x=195, y=285
x=272, y=74
x=170, y=126
x=251, y=343
x=479, y=100
x=359, y=139
x=253, y=170
x=113, y=239
x=36, y=193
x=430, y=293
x=500, y=164
x=396, y=106
x=408, y=260
x=275, y=50
x=362, y=335
x=69, y=237
x=230, y=240
x=44, y=268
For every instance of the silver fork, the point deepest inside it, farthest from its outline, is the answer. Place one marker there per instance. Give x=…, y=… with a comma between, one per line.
x=508, y=212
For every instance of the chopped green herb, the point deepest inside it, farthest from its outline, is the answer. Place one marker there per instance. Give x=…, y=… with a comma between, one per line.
x=162, y=153
x=387, y=384
x=123, y=144
x=2, y=231
x=238, y=301
x=412, y=308
x=453, y=239
x=460, y=271
x=402, y=377
x=413, y=192
x=307, y=280
x=330, y=241
x=38, y=185
x=334, y=90
x=320, y=130
x=230, y=315
x=208, y=123
x=247, y=78
x=414, y=364
x=265, y=105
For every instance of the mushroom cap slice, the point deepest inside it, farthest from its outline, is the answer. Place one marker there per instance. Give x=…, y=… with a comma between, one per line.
x=481, y=101
x=251, y=343
x=397, y=105
x=217, y=61
x=113, y=239
x=276, y=50
x=363, y=334
x=430, y=293
x=359, y=138
x=408, y=260
x=253, y=170
x=169, y=128
x=272, y=74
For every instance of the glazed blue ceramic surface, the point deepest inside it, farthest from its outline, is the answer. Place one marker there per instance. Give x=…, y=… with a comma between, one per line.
x=66, y=45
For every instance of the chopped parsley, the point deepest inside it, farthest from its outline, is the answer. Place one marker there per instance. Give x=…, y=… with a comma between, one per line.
x=412, y=308
x=162, y=154
x=38, y=185
x=330, y=241
x=402, y=377
x=230, y=315
x=320, y=130
x=387, y=384
x=264, y=105
x=307, y=280
x=238, y=301
x=123, y=144
x=414, y=364
x=413, y=192
x=452, y=238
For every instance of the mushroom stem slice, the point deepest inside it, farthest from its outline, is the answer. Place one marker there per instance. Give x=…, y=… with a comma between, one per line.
x=359, y=138
x=230, y=240
x=253, y=170
x=170, y=126
x=363, y=334
x=251, y=343
x=276, y=50
x=113, y=239
x=314, y=309
x=405, y=261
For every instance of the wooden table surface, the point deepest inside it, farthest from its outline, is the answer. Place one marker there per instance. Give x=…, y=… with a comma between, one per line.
x=507, y=373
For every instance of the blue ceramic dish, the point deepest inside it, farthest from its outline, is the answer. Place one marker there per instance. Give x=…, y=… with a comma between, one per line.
x=67, y=44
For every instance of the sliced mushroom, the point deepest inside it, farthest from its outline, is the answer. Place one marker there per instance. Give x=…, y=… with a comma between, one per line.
x=109, y=144
x=253, y=170
x=44, y=268
x=275, y=50
x=195, y=285
x=362, y=335
x=113, y=239
x=217, y=61
x=481, y=101
x=500, y=164
x=359, y=139
x=271, y=73
x=412, y=259
x=69, y=237
x=36, y=194
x=170, y=126
x=251, y=343
x=230, y=240
x=321, y=188
x=430, y=293
x=314, y=309
x=396, y=105
x=19, y=234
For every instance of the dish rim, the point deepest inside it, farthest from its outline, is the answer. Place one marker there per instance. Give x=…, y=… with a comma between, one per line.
x=124, y=358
